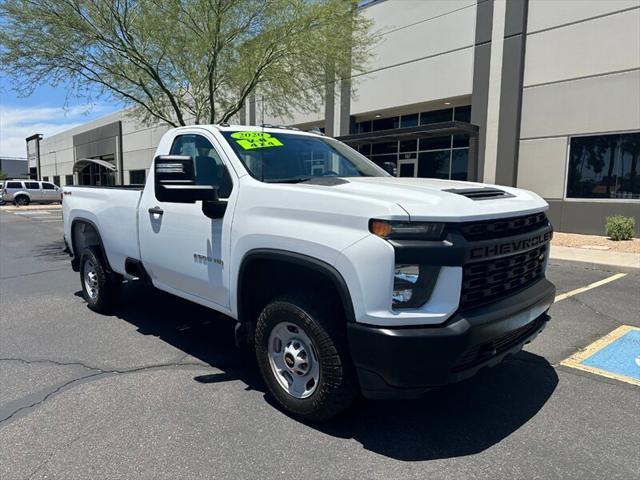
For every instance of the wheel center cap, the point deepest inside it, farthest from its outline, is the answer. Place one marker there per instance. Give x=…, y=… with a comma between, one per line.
x=288, y=359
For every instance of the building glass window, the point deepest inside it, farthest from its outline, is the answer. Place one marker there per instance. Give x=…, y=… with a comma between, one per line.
x=137, y=177
x=384, y=147
x=363, y=127
x=462, y=114
x=380, y=159
x=409, y=145
x=94, y=174
x=409, y=120
x=459, y=163
x=365, y=149
x=386, y=123
x=68, y=179
x=56, y=180
x=46, y=179
x=445, y=156
x=434, y=164
x=460, y=141
x=436, y=116
x=604, y=166
x=435, y=143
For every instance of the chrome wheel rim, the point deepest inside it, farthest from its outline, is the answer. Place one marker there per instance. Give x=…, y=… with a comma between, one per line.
x=90, y=279
x=293, y=360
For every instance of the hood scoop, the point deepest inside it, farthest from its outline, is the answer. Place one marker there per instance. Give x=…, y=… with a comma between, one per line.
x=326, y=181
x=483, y=193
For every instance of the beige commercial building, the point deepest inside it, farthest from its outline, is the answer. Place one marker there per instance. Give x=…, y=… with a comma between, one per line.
x=538, y=94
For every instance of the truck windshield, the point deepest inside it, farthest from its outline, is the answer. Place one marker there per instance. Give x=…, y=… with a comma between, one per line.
x=292, y=158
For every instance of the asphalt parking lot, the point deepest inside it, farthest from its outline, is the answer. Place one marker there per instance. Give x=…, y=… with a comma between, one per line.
x=158, y=390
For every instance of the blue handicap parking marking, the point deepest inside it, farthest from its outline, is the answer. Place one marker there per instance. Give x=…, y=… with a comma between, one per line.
x=621, y=357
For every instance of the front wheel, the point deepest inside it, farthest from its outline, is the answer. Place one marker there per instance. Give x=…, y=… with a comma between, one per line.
x=100, y=288
x=303, y=356
x=22, y=201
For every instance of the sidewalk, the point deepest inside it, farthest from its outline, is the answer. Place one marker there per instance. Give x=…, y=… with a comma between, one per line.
x=9, y=207
x=596, y=259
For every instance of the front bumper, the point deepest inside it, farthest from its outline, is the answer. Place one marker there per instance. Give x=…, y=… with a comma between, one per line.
x=406, y=362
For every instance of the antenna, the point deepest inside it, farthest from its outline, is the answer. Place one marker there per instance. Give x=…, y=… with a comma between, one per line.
x=261, y=150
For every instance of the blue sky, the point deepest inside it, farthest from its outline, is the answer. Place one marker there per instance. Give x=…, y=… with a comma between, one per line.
x=47, y=111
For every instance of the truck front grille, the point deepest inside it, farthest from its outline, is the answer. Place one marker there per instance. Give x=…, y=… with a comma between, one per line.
x=488, y=281
x=505, y=227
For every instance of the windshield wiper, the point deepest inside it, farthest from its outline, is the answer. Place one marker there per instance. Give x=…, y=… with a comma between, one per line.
x=292, y=180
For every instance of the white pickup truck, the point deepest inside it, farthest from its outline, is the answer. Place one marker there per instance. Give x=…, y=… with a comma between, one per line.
x=341, y=277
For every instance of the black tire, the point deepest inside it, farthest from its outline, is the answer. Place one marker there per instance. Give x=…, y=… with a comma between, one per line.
x=22, y=200
x=101, y=293
x=337, y=387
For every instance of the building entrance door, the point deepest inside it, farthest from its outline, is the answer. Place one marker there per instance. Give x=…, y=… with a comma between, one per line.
x=95, y=172
x=408, y=167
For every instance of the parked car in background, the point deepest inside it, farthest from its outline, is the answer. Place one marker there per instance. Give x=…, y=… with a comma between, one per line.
x=24, y=192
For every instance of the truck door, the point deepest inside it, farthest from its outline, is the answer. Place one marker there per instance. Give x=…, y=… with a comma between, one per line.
x=184, y=251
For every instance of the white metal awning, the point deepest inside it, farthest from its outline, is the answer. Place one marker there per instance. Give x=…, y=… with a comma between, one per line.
x=83, y=162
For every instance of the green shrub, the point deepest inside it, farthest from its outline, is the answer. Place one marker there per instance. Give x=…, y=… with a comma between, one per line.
x=620, y=227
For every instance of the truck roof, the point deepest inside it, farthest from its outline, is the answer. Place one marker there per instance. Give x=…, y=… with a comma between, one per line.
x=224, y=127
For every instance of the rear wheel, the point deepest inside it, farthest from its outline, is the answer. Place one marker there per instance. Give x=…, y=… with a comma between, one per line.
x=22, y=200
x=304, y=359
x=100, y=288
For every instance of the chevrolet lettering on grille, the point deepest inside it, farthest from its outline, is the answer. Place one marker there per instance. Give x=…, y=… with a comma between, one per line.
x=512, y=246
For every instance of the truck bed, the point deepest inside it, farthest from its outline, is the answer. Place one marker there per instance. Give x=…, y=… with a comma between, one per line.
x=113, y=211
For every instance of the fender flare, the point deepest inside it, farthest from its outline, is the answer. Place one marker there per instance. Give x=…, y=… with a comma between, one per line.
x=299, y=259
x=76, y=256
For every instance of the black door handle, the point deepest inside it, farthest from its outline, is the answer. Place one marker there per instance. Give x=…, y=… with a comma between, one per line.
x=156, y=211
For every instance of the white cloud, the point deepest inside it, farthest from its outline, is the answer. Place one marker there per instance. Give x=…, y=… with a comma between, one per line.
x=18, y=123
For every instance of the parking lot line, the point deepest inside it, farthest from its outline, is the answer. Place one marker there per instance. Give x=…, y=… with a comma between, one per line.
x=599, y=283
x=612, y=362
x=32, y=212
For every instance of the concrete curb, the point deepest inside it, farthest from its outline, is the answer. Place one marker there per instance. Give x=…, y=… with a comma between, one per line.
x=596, y=260
x=13, y=208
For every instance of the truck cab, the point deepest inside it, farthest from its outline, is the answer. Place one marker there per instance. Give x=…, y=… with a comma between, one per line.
x=342, y=278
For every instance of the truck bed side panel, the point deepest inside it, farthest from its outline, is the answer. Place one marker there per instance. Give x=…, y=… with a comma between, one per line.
x=114, y=212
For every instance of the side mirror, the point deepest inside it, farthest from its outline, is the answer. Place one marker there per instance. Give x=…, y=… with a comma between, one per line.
x=390, y=168
x=175, y=181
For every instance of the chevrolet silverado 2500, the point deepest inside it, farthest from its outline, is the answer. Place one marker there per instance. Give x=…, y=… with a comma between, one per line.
x=341, y=277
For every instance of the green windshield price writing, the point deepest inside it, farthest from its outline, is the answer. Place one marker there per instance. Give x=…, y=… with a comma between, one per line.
x=250, y=140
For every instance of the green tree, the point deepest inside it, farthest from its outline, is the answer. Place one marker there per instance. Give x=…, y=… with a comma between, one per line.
x=186, y=61
x=3, y=176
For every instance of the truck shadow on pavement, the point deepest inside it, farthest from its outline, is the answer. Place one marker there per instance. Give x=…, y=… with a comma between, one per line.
x=462, y=419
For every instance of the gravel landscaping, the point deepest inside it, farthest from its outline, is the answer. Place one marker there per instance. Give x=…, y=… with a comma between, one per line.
x=595, y=242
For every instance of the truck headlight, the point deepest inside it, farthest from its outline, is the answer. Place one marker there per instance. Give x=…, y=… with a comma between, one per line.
x=406, y=230
x=413, y=284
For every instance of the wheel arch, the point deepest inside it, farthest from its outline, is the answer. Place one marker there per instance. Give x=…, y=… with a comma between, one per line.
x=79, y=240
x=22, y=193
x=301, y=263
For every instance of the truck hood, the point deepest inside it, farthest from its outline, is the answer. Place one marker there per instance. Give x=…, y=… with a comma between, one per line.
x=429, y=199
